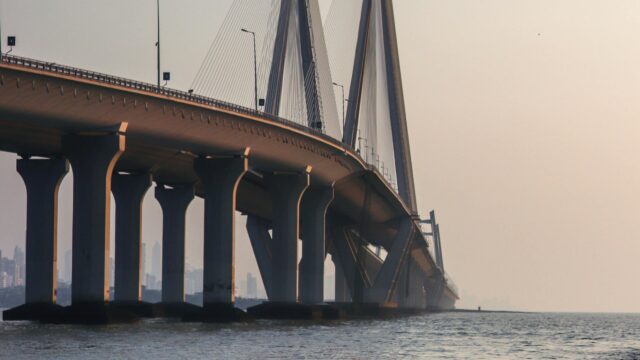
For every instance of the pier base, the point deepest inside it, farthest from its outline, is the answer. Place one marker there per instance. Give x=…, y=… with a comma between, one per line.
x=176, y=309
x=217, y=313
x=141, y=309
x=92, y=313
x=296, y=311
x=368, y=310
x=31, y=311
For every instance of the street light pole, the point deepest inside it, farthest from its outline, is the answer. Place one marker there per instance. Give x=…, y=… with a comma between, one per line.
x=255, y=67
x=343, y=101
x=158, y=43
x=0, y=32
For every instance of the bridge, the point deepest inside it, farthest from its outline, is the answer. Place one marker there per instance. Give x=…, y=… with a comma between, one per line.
x=285, y=161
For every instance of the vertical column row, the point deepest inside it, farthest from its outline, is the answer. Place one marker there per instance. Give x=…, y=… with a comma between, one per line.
x=93, y=157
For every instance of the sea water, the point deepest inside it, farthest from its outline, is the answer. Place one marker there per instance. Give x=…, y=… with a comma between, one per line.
x=472, y=335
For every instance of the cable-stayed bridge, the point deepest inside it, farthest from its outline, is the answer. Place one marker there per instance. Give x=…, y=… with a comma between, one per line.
x=267, y=137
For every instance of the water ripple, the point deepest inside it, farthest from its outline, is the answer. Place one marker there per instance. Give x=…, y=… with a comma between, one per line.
x=433, y=336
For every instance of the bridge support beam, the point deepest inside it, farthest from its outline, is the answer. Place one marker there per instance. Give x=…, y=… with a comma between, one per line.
x=258, y=230
x=220, y=177
x=174, y=202
x=342, y=294
x=286, y=192
x=42, y=178
x=314, y=207
x=92, y=158
x=128, y=191
x=410, y=293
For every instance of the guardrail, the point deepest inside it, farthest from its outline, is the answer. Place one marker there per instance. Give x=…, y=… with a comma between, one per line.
x=172, y=93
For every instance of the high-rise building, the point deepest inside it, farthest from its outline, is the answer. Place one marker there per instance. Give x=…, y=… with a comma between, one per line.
x=66, y=275
x=156, y=262
x=1, y=263
x=252, y=287
x=193, y=281
x=9, y=273
x=112, y=271
x=143, y=264
x=20, y=272
x=5, y=280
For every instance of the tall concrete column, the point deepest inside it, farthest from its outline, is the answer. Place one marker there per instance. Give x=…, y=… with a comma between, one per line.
x=286, y=192
x=42, y=178
x=92, y=158
x=258, y=231
x=342, y=293
x=219, y=177
x=128, y=190
x=174, y=202
x=315, y=203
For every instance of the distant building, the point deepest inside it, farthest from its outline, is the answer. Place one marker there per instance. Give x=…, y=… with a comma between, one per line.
x=193, y=281
x=143, y=264
x=20, y=268
x=67, y=266
x=252, y=287
x=156, y=264
x=112, y=271
x=5, y=280
x=242, y=291
x=151, y=282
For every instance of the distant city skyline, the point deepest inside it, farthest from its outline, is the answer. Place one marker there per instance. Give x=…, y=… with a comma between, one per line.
x=12, y=270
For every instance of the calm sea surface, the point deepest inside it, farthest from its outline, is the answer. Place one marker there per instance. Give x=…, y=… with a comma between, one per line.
x=433, y=336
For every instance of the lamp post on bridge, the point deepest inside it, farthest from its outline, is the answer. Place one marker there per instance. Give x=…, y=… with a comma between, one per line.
x=158, y=42
x=255, y=66
x=343, y=101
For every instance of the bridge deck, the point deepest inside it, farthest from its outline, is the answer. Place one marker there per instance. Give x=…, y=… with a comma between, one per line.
x=39, y=102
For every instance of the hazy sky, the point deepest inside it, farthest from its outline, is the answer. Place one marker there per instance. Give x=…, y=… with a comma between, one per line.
x=524, y=121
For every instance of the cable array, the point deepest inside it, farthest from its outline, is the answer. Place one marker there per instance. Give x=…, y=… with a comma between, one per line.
x=227, y=71
x=374, y=141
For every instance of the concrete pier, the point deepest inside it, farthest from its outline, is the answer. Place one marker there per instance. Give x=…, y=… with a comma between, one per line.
x=286, y=192
x=92, y=158
x=342, y=293
x=314, y=206
x=128, y=190
x=220, y=177
x=42, y=178
x=174, y=202
x=258, y=230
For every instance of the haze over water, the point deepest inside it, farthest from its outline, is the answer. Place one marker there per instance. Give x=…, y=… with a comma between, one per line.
x=432, y=336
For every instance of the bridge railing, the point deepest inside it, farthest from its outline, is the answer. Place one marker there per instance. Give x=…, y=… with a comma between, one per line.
x=147, y=87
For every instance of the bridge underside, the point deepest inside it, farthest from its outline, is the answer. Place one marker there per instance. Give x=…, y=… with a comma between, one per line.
x=165, y=136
